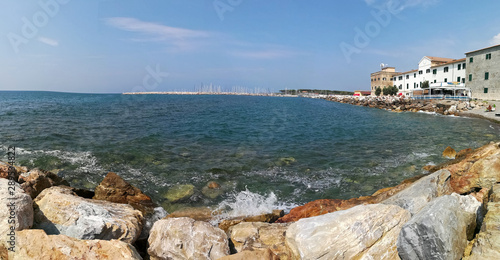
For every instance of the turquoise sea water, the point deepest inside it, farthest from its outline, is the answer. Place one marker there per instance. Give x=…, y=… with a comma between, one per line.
x=295, y=149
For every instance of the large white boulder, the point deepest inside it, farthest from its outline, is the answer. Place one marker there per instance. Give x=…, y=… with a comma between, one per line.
x=185, y=238
x=361, y=232
x=59, y=211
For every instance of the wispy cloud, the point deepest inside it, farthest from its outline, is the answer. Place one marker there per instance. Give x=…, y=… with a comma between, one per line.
x=179, y=38
x=400, y=4
x=48, y=41
x=495, y=40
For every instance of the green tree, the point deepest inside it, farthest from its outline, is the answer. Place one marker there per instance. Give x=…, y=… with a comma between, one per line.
x=425, y=84
x=394, y=90
x=377, y=91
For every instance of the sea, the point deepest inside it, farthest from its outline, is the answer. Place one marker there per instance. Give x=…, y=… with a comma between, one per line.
x=265, y=152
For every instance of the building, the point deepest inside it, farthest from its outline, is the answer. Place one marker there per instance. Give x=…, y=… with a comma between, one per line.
x=361, y=93
x=434, y=70
x=483, y=72
x=382, y=79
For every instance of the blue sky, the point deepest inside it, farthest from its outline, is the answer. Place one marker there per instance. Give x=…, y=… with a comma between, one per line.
x=113, y=46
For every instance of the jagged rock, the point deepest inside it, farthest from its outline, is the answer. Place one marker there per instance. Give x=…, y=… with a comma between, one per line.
x=59, y=211
x=199, y=214
x=258, y=236
x=463, y=153
x=486, y=245
x=362, y=232
x=6, y=174
x=180, y=192
x=263, y=254
x=266, y=218
x=35, y=244
x=38, y=180
x=439, y=230
x=449, y=153
x=115, y=189
x=16, y=210
x=185, y=238
x=479, y=169
x=324, y=206
x=415, y=197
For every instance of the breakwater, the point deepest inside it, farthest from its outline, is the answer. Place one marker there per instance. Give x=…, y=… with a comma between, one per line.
x=401, y=104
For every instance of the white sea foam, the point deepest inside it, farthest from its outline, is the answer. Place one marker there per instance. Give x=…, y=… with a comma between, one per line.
x=247, y=203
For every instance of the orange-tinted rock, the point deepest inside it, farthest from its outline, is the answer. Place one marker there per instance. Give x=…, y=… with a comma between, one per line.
x=464, y=152
x=38, y=180
x=482, y=195
x=266, y=218
x=115, y=189
x=324, y=206
x=479, y=169
x=6, y=174
x=449, y=153
x=213, y=185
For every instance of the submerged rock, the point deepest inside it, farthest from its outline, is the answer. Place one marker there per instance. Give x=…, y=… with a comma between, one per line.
x=59, y=211
x=180, y=192
x=185, y=238
x=35, y=244
x=212, y=190
x=439, y=230
x=362, y=232
x=38, y=180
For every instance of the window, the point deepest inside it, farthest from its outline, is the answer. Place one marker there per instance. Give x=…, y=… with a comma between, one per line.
x=407, y=86
x=488, y=56
x=463, y=66
x=400, y=78
x=378, y=79
x=445, y=79
x=485, y=90
x=384, y=79
x=428, y=71
x=414, y=75
x=407, y=76
x=459, y=66
x=463, y=80
x=414, y=85
x=420, y=72
x=434, y=81
x=434, y=71
x=486, y=75
x=445, y=69
x=470, y=77
x=458, y=79
x=471, y=59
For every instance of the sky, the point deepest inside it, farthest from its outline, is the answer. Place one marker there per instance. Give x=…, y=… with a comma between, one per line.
x=115, y=46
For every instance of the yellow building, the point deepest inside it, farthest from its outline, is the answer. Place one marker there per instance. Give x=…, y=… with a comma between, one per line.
x=382, y=79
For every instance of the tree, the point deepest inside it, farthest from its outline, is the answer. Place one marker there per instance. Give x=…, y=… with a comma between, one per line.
x=395, y=90
x=425, y=84
x=377, y=91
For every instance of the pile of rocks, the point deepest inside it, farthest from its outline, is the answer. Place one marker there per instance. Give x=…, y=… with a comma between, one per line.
x=450, y=213
x=401, y=104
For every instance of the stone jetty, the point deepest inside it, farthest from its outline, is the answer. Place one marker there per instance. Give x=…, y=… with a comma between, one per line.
x=452, y=212
x=402, y=104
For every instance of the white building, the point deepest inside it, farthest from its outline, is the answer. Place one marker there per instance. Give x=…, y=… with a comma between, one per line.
x=434, y=70
x=483, y=72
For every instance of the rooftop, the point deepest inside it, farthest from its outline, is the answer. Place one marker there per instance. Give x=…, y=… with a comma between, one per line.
x=483, y=49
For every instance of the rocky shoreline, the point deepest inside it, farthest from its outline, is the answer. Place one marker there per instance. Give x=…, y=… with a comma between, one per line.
x=452, y=212
x=400, y=104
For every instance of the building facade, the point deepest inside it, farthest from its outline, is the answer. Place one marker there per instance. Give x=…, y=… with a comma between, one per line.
x=483, y=73
x=432, y=70
x=382, y=79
